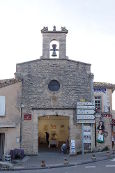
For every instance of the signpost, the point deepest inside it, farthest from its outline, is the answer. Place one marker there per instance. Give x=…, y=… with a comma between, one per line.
x=85, y=114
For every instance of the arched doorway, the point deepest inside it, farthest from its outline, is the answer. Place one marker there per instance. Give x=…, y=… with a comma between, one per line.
x=58, y=129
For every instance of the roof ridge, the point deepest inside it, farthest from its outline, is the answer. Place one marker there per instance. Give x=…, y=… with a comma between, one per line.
x=7, y=82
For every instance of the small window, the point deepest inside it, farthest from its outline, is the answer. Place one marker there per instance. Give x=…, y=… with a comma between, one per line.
x=98, y=103
x=2, y=105
x=54, y=85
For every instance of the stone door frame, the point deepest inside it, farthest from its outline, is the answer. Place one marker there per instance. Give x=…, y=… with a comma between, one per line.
x=46, y=112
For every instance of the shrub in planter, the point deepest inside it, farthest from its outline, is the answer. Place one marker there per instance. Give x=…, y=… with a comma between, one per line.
x=17, y=154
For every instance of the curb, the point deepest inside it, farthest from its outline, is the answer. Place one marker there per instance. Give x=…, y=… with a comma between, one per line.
x=60, y=165
x=47, y=167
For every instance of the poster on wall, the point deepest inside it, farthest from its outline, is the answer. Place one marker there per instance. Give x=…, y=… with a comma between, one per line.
x=100, y=135
x=72, y=147
x=87, y=135
x=100, y=138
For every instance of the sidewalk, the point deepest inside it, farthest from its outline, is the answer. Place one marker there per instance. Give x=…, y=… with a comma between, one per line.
x=54, y=159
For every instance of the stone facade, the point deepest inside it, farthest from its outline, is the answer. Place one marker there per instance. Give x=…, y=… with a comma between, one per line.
x=75, y=84
x=74, y=78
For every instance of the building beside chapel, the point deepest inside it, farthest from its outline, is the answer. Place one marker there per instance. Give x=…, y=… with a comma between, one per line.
x=45, y=96
x=103, y=106
x=10, y=94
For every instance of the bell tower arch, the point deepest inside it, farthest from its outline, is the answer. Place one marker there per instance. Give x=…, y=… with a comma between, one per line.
x=56, y=49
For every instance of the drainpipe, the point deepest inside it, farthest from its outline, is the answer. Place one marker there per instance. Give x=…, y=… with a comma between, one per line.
x=21, y=106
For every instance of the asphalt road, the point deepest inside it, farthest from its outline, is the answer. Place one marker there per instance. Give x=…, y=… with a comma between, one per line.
x=105, y=166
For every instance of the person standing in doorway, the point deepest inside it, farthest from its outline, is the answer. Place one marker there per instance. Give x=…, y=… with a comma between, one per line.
x=47, y=137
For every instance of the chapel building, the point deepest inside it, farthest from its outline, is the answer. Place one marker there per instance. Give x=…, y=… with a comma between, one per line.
x=51, y=88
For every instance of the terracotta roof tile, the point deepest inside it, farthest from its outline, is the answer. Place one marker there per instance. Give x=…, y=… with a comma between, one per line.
x=104, y=84
x=7, y=82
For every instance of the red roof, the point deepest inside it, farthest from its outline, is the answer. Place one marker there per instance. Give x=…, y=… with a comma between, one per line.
x=104, y=85
x=7, y=82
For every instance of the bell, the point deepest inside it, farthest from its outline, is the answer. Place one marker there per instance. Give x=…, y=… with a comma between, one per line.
x=54, y=53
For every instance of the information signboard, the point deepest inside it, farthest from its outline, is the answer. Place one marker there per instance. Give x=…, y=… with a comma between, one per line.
x=85, y=112
x=87, y=134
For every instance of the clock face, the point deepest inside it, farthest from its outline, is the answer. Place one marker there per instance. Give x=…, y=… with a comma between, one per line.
x=54, y=85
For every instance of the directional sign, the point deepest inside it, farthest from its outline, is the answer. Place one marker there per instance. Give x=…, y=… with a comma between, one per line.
x=86, y=107
x=85, y=117
x=85, y=112
x=86, y=121
x=85, y=103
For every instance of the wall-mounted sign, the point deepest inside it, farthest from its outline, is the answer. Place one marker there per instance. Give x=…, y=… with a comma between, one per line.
x=100, y=90
x=27, y=116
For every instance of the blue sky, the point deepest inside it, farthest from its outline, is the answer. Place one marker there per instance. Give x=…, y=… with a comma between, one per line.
x=91, y=36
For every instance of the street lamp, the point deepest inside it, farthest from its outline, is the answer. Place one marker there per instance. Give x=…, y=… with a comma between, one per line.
x=21, y=106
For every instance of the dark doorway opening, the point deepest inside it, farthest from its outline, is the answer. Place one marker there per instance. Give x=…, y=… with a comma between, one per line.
x=2, y=142
x=57, y=128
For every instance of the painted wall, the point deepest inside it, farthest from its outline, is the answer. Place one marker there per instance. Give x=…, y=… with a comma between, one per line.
x=12, y=95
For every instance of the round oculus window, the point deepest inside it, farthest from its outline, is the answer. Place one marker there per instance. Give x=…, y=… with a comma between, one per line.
x=54, y=85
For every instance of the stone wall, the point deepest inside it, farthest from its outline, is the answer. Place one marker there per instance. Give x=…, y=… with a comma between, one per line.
x=74, y=78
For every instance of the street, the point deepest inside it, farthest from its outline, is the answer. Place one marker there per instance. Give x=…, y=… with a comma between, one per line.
x=100, y=166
